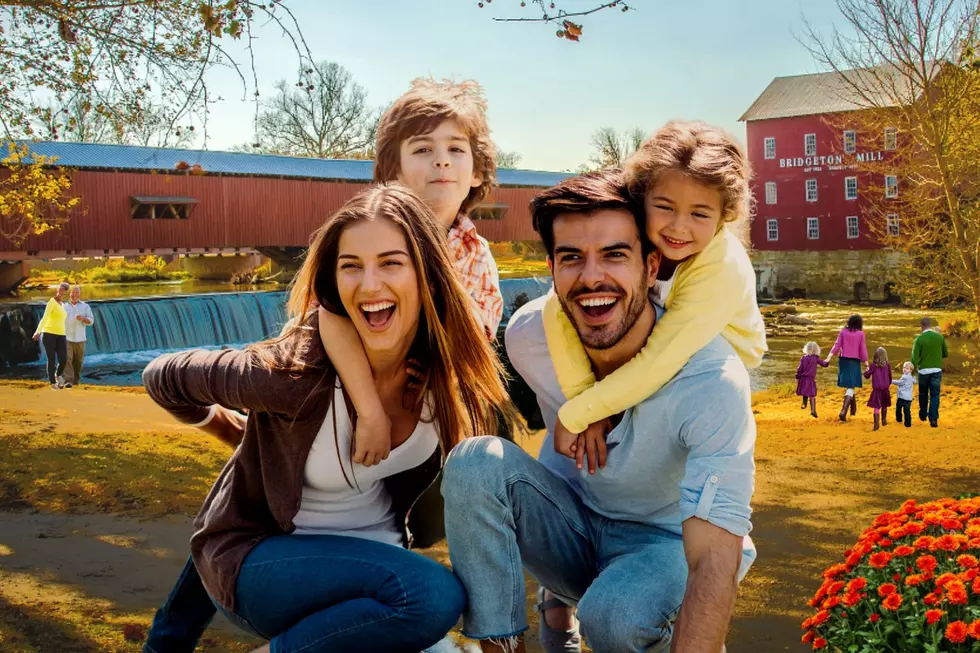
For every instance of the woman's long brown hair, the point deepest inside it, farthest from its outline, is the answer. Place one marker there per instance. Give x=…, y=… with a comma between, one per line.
x=464, y=375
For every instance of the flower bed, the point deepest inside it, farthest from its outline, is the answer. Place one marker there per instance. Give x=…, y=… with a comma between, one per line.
x=911, y=584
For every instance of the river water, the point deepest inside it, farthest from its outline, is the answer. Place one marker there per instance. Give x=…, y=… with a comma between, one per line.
x=137, y=322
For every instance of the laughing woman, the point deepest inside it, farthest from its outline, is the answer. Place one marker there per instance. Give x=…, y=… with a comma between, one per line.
x=295, y=543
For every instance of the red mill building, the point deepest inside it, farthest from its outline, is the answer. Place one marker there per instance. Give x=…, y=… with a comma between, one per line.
x=809, y=231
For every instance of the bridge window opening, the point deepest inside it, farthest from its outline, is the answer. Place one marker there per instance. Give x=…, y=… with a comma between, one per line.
x=489, y=212
x=161, y=208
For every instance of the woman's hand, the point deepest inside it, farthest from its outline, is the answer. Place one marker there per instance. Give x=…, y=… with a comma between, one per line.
x=372, y=438
x=590, y=446
x=37, y=336
x=226, y=425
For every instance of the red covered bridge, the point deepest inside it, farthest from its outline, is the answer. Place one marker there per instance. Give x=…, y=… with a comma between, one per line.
x=139, y=200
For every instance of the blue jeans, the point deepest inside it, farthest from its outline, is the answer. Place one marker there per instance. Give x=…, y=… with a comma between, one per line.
x=324, y=593
x=505, y=511
x=179, y=624
x=929, y=385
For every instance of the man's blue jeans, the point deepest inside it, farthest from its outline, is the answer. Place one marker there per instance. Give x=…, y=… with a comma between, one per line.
x=179, y=624
x=929, y=385
x=319, y=593
x=506, y=512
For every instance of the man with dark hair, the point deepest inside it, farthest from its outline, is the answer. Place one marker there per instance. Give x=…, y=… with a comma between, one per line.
x=652, y=544
x=928, y=352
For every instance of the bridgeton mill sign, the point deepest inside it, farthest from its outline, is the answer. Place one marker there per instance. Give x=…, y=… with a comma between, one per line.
x=832, y=162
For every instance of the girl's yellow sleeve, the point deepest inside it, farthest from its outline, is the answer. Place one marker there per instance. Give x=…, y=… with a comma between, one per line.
x=712, y=294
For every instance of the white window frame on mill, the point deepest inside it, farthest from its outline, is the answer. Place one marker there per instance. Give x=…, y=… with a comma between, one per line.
x=891, y=187
x=850, y=141
x=811, y=184
x=893, y=225
x=769, y=152
x=853, y=227
x=813, y=228
x=770, y=192
x=772, y=230
x=810, y=145
x=891, y=133
x=849, y=184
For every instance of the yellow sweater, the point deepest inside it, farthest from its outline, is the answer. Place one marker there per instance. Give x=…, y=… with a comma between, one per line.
x=713, y=292
x=53, y=320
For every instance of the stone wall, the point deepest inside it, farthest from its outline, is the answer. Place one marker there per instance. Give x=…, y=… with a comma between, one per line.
x=837, y=274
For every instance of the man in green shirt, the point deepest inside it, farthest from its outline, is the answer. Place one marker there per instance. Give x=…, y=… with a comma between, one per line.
x=928, y=352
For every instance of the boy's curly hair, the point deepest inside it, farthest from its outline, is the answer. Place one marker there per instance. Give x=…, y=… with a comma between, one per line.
x=420, y=111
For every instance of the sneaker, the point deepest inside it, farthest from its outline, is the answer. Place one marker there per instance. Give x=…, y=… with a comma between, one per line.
x=67, y=384
x=556, y=641
x=55, y=386
x=934, y=424
x=61, y=381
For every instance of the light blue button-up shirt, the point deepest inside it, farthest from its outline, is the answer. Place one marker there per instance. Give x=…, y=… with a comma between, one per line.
x=687, y=451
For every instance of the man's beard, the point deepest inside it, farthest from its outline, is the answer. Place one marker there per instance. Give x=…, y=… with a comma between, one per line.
x=608, y=335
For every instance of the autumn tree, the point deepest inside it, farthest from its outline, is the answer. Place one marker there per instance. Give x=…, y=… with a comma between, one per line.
x=80, y=121
x=910, y=68
x=33, y=199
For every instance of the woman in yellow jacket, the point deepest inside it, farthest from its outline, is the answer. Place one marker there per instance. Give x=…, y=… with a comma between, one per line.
x=51, y=332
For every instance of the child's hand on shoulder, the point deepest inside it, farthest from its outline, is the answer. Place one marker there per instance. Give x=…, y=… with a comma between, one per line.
x=372, y=439
x=587, y=447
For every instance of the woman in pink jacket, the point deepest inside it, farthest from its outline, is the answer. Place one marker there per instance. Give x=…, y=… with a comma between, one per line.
x=852, y=352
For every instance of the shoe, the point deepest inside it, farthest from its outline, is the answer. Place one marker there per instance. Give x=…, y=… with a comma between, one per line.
x=854, y=406
x=813, y=407
x=877, y=420
x=848, y=402
x=934, y=424
x=884, y=418
x=556, y=641
x=804, y=403
x=61, y=381
x=67, y=384
x=55, y=386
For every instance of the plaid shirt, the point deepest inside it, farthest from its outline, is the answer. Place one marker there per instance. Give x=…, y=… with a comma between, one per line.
x=478, y=272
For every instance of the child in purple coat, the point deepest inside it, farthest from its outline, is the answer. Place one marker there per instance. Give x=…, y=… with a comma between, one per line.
x=880, y=374
x=806, y=375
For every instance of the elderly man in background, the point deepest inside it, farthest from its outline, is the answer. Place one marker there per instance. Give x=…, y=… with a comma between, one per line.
x=79, y=316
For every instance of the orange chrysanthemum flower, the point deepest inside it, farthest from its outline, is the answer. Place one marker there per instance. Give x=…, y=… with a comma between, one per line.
x=874, y=618
x=956, y=632
x=913, y=579
x=808, y=636
x=976, y=586
x=857, y=584
x=880, y=560
x=947, y=542
x=957, y=597
x=967, y=561
x=931, y=599
x=886, y=589
x=942, y=579
x=835, y=587
x=819, y=643
x=820, y=617
x=924, y=542
x=914, y=528
x=926, y=563
x=952, y=524
x=831, y=603
x=835, y=570
x=932, y=616
x=853, y=598
x=904, y=551
x=892, y=602
x=974, y=630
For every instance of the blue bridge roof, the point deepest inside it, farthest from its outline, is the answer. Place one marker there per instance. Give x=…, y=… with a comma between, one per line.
x=132, y=157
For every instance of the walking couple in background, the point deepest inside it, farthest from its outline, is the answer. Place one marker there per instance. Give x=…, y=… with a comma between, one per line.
x=636, y=513
x=61, y=332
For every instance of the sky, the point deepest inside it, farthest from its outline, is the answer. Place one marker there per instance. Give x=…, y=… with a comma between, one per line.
x=696, y=59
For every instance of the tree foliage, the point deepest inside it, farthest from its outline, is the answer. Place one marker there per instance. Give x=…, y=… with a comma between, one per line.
x=32, y=199
x=508, y=159
x=554, y=12
x=325, y=115
x=912, y=65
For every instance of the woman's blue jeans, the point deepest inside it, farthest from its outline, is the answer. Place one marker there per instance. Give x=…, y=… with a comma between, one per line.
x=312, y=593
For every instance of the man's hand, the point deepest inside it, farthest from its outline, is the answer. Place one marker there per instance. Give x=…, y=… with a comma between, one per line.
x=226, y=425
x=713, y=558
x=372, y=438
x=79, y=318
x=37, y=336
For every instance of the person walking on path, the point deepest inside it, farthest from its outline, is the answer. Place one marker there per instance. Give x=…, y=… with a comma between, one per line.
x=51, y=333
x=928, y=352
x=880, y=374
x=806, y=375
x=852, y=350
x=79, y=316
x=903, y=403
